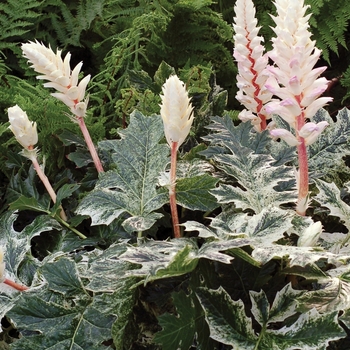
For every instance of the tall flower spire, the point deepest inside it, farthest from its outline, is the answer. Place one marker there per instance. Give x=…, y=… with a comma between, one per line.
x=252, y=62
x=177, y=113
x=64, y=80
x=295, y=81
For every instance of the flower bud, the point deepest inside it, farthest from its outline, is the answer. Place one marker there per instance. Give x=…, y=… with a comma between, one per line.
x=285, y=135
x=23, y=129
x=176, y=110
x=310, y=131
x=310, y=236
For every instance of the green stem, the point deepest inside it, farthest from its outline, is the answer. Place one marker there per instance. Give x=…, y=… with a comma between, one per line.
x=172, y=191
x=261, y=335
x=65, y=223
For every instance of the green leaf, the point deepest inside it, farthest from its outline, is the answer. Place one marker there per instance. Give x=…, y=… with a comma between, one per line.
x=269, y=225
x=17, y=244
x=329, y=196
x=66, y=191
x=226, y=318
x=260, y=307
x=193, y=192
x=178, y=330
x=25, y=203
x=53, y=326
x=327, y=152
x=162, y=259
x=301, y=256
x=123, y=301
x=242, y=157
x=284, y=304
x=311, y=331
x=62, y=276
x=106, y=271
x=81, y=157
x=131, y=189
x=69, y=138
x=163, y=72
x=332, y=295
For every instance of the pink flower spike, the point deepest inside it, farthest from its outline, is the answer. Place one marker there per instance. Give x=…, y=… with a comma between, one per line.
x=252, y=62
x=285, y=135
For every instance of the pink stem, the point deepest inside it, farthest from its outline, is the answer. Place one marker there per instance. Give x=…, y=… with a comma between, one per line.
x=172, y=191
x=90, y=144
x=303, y=189
x=15, y=285
x=47, y=185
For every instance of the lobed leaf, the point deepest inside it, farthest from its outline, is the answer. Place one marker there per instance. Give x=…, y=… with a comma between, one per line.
x=131, y=188
x=226, y=318
x=242, y=157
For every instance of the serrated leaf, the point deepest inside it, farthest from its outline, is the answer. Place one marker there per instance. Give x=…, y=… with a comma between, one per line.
x=311, y=331
x=212, y=250
x=269, y=225
x=69, y=138
x=54, y=326
x=332, y=145
x=330, y=296
x=106, y=272
x=178, y=331
x=130, y=189
x=121, y=303
x=177, y=257
x=244, y=160
x=284, y=304
x=226, y=318
x=329, y=196
x=260, y=307
x=62, y=276
x=162, y=259
x=17, y=244
x=194, y=192
x=25, y=203
x=66, y=191
x=301, y=256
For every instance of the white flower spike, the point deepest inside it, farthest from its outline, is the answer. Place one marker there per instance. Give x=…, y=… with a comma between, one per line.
x=59, y=74
x=252, y=63
x=176, y=111
x=23, y=129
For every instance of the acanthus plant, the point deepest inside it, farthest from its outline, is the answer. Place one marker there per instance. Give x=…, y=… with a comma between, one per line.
x=245, y=254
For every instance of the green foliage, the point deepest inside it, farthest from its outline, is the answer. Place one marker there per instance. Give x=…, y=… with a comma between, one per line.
x=329, y=34
x=112, y=277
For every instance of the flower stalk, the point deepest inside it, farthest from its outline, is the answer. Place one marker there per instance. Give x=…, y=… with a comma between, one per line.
x=177, y=114
x=26, y=134
x=297, y=85
x=172, y=191
x=3, y=279
x=65, y=81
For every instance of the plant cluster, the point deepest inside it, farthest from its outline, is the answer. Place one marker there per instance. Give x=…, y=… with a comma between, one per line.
x=138, y=212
